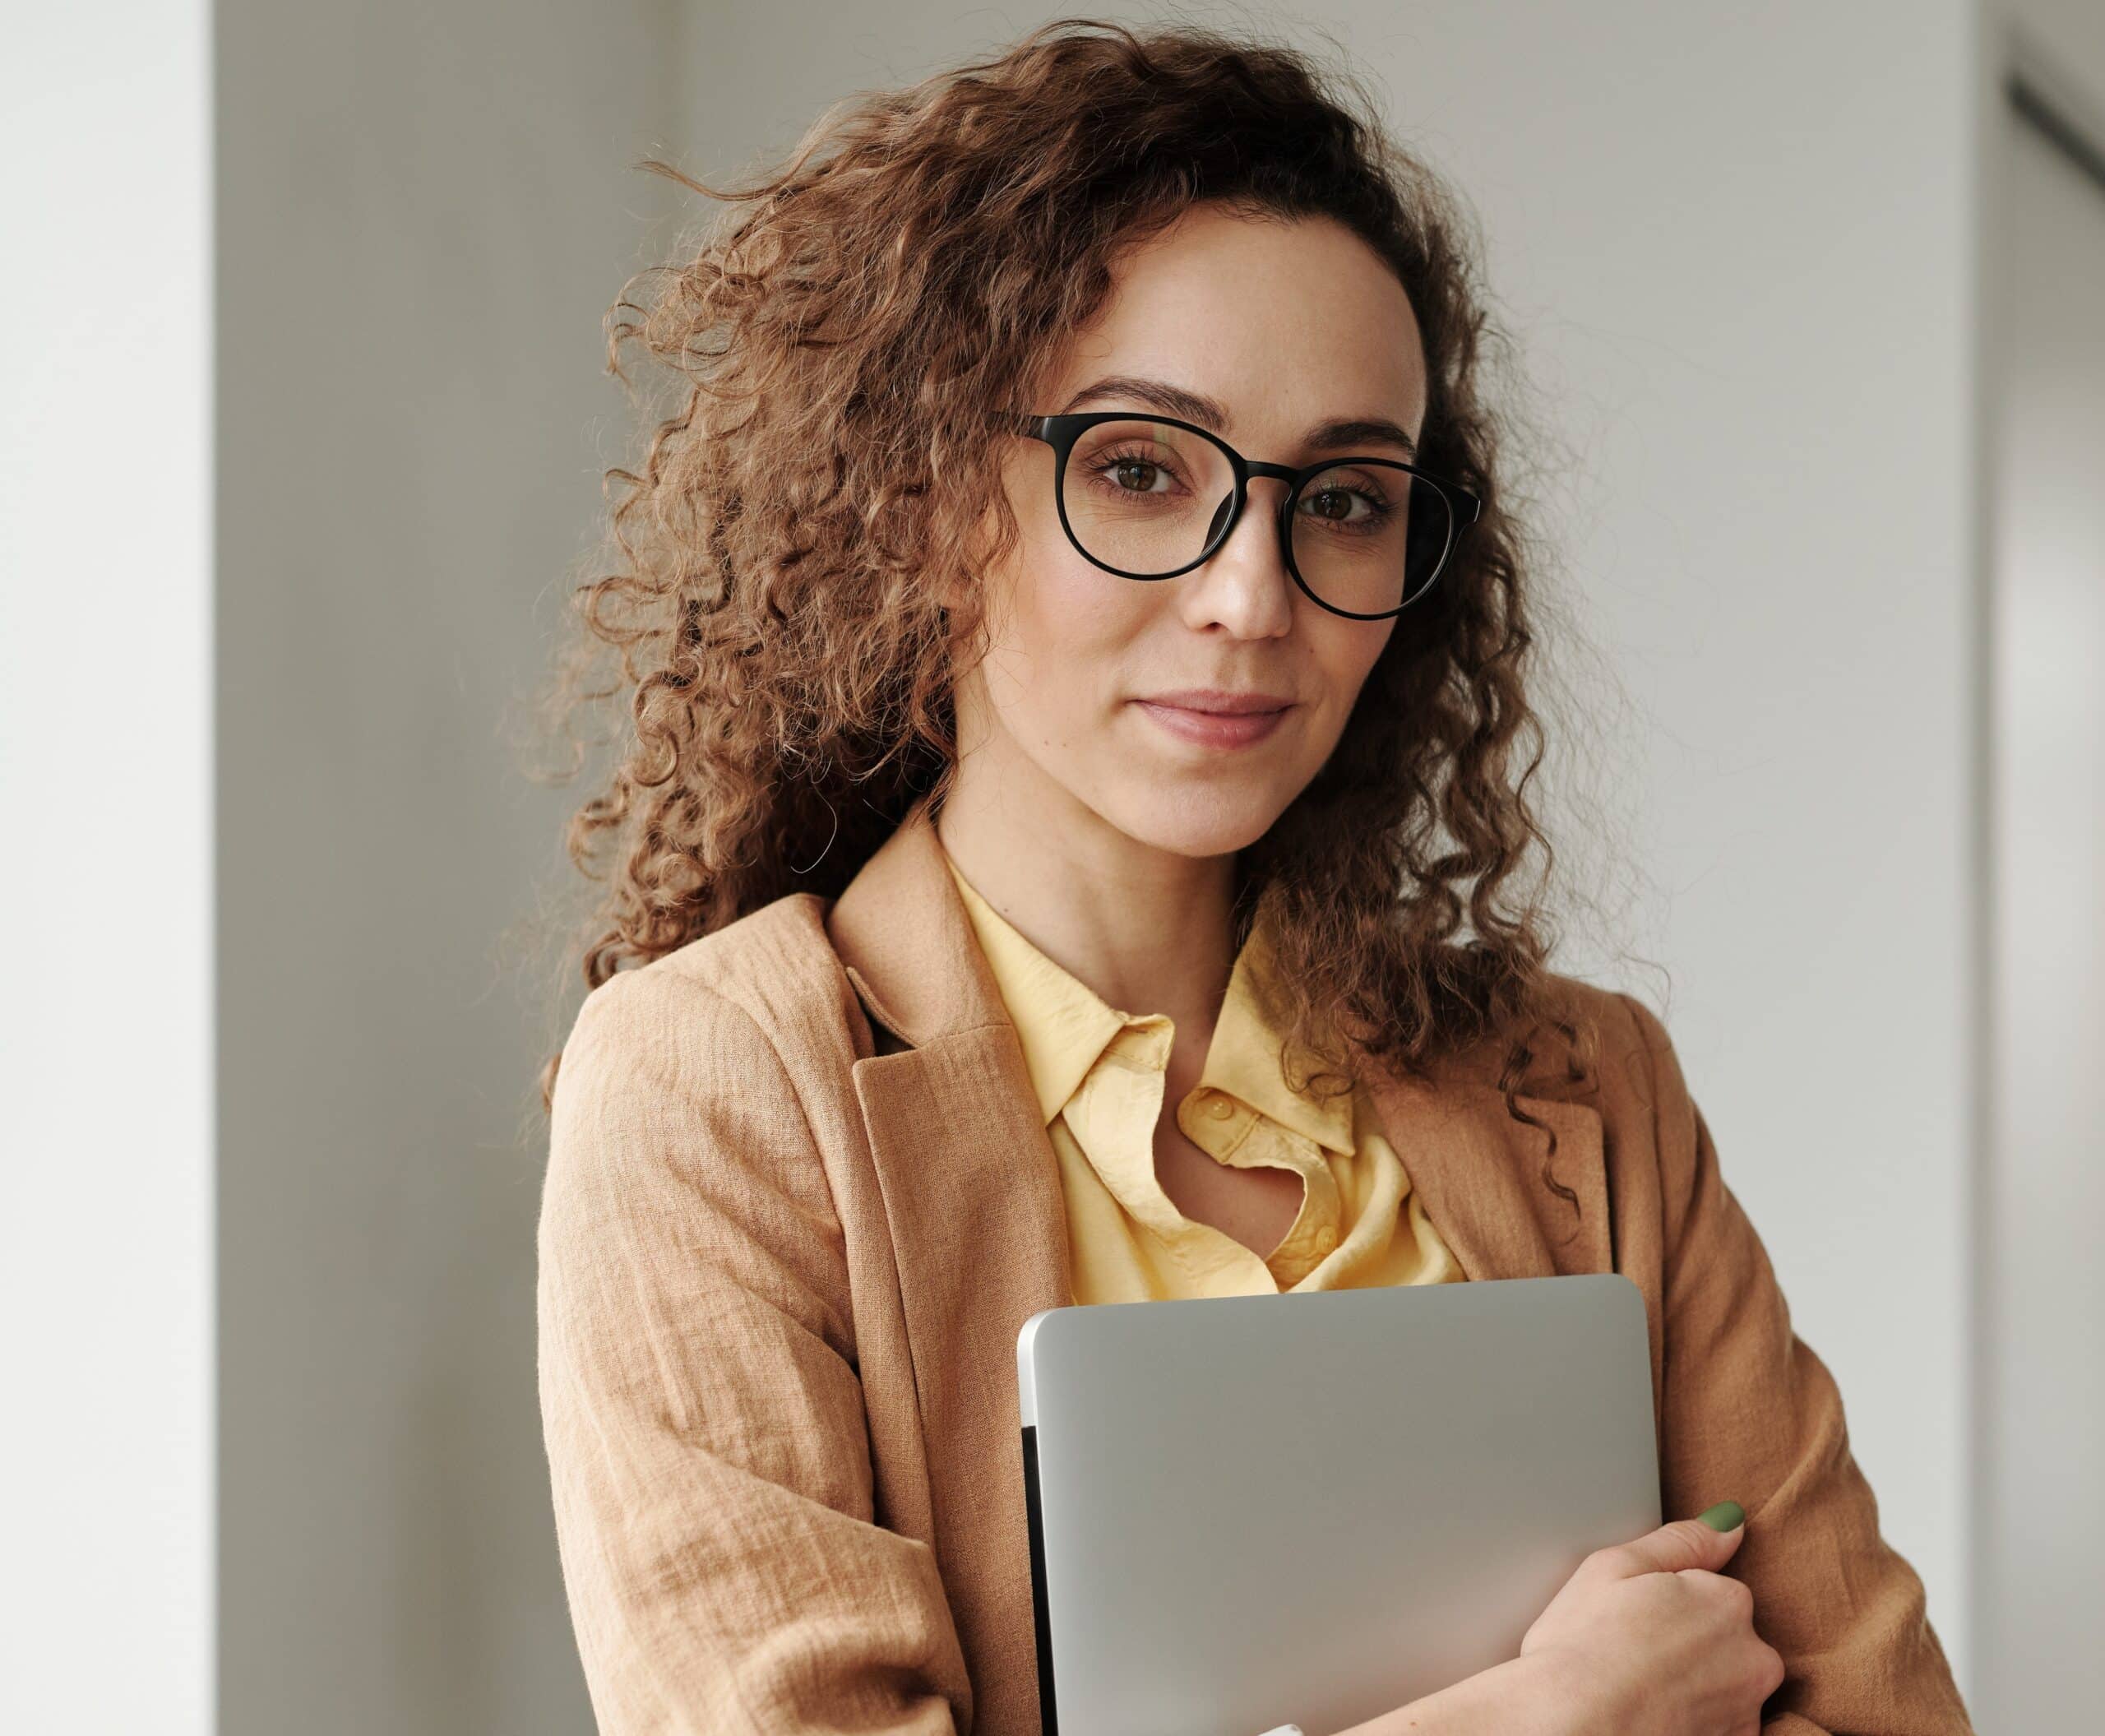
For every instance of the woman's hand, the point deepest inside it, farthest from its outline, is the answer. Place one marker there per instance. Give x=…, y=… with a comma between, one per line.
x=1646, y=1638
x=1649, y=1638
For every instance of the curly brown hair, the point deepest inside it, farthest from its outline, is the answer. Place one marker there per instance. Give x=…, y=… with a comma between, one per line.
x=839, y=334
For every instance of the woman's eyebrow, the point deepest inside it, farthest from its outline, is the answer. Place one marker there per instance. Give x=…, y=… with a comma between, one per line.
x=1360, y=431
x=1338, y=436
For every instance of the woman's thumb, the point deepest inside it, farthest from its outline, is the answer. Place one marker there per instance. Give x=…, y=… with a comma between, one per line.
x=1727, y=1516
x=1708, y=1541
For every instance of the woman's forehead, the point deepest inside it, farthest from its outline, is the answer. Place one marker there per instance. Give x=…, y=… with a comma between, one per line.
x=1281, y=324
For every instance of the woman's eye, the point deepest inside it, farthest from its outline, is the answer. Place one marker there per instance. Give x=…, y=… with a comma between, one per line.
x=1340, y=504
x=1138, y=476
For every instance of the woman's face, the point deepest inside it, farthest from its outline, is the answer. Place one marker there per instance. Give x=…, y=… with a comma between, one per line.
x=1278, y=327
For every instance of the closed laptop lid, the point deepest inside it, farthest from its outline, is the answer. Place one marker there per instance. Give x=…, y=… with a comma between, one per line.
x=1314, y=1508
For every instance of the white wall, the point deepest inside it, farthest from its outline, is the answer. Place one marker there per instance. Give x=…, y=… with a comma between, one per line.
x=2040, y=1424
x=1736, y=244
x=425, y=211
x=105, y=789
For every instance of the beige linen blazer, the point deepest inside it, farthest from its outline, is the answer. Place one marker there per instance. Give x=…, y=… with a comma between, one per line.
x=799, y=1200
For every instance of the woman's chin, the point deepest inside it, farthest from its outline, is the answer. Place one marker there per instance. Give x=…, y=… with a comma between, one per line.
x=1198, y=817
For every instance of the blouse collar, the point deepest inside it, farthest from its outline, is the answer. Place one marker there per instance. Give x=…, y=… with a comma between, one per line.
x=1065, y=1026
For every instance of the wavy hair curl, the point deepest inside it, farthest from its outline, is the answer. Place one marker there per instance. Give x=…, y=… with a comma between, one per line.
x=838, y=332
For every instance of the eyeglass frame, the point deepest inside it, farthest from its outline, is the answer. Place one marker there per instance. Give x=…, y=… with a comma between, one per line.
x=1062, y=432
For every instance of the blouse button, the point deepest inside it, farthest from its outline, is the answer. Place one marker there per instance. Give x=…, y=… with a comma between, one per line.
x=1220, y=1108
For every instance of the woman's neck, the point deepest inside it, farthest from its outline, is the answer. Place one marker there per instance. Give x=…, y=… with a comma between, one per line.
x=1148, y=929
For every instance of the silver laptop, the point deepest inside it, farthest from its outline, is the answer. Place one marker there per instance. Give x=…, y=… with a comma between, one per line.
x=1252, y=1510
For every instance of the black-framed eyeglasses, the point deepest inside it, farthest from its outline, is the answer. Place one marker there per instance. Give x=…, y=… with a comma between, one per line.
x=1149, y=496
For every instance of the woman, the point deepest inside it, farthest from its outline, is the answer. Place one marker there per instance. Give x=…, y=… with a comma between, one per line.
x=1078, y=580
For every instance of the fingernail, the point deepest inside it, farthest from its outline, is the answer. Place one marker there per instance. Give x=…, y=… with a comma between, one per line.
x=1723, y=1516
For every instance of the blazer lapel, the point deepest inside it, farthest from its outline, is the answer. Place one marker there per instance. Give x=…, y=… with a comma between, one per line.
x=1479, y=1173
x=961, y=1152
x=971, y=1189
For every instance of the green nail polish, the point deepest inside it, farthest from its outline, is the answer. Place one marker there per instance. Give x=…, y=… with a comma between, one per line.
x=1723, y=1516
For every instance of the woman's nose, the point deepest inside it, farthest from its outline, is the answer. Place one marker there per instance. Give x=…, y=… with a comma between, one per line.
x=1245, y=582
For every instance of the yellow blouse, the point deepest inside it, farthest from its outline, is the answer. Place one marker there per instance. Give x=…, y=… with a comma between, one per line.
x=1099, y=1076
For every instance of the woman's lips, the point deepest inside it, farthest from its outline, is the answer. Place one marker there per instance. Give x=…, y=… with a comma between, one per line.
x=1214, y=729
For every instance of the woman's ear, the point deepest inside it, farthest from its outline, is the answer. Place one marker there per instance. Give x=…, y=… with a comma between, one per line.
x=950, y=589
x=958, y=585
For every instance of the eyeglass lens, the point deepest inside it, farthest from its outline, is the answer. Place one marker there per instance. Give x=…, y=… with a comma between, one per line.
x=1146, y=497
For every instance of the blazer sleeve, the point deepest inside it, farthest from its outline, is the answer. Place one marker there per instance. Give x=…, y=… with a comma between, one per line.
x=1752, y=1415
x=708, y=1450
